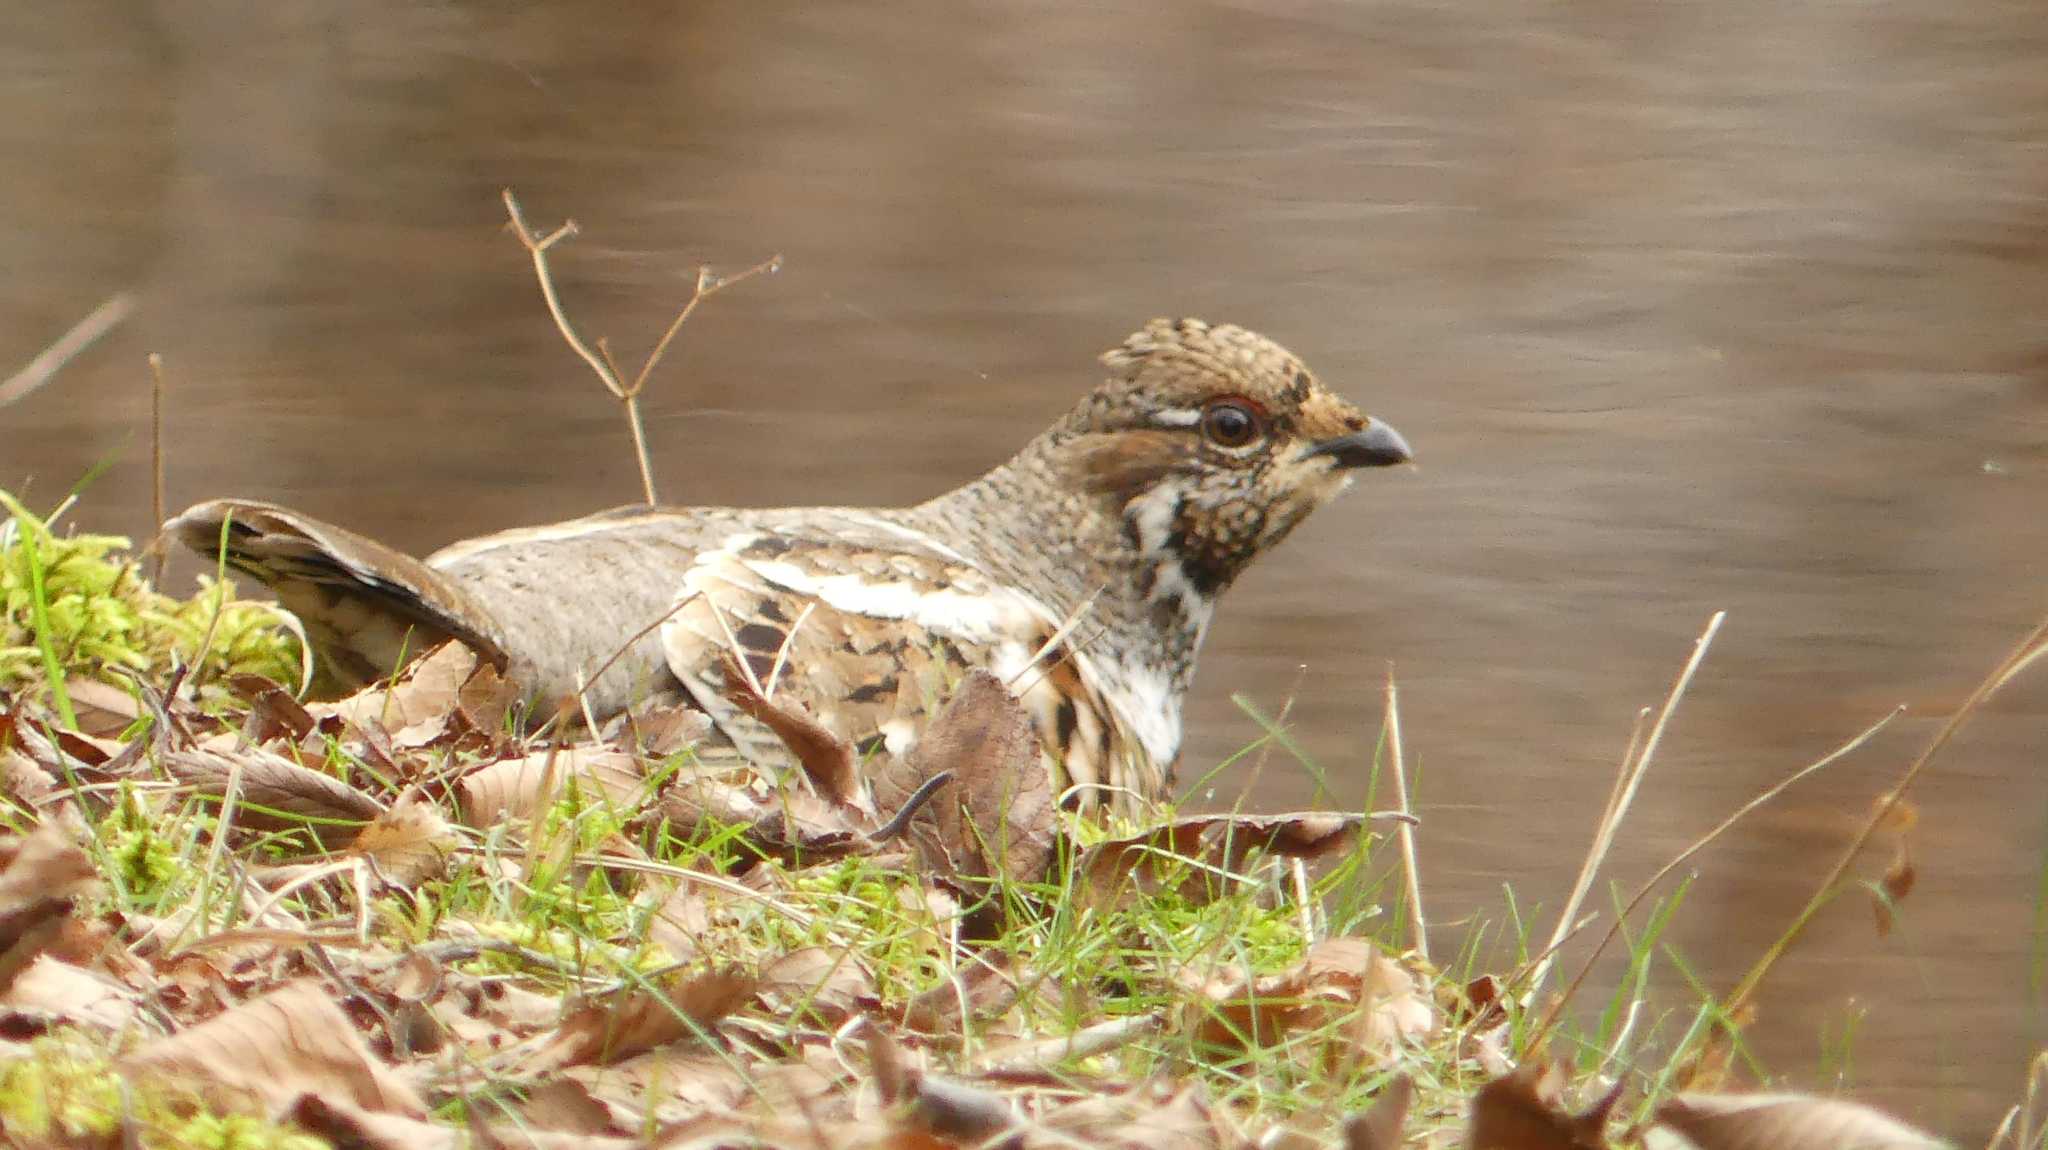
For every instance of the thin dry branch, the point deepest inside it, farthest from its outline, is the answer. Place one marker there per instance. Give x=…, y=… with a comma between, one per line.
x=161, y=552
x=600, y=358
x=51, y=360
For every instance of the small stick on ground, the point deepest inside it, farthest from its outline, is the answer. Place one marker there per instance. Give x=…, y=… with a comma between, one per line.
x=156, y=468
x=52, y=359
x=1405, y=829
x=600, y=360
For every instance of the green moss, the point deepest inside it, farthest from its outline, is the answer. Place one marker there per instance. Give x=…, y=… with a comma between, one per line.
x=65, y=1090
x=80, y=602
x=144, y=858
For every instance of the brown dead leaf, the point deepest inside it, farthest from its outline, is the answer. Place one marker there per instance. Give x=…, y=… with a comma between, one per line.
x=49, y=992
x=1141, y=1120
x=344, y=1125
x=659, y=731
x=983, y=988
x=103, y=710
x=783, y=825
x=1158, y=856
x=1787, y=1122
x=409, y=843
x=290, y=1042
x=996, y=817
x=273, y=712
x=272, y=783
x=1373, y=1003
x=567, y=1106
x=1380, y=1126
x=826, y=986
x=681, y=920
x=92, y=750
x=611, y=1029
x=1900, y=877
x=664, y=1086
x=46, y=874
x=829, y=761
x=23, y=780
x=484, y=699
x=955, y=1113
x=415, y=709
x=1479, y=1003
x=1525, y=1111
x=513, y=788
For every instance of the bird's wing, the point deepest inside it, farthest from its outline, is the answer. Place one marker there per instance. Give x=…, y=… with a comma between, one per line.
x=871, y=638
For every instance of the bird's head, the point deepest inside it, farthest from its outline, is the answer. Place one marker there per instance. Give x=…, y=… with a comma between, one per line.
x=1212, y=443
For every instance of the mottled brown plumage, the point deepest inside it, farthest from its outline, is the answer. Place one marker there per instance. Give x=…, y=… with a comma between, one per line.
x=1083, y=572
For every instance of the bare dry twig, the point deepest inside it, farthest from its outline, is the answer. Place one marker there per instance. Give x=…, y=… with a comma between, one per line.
x=160, y=553
x=52, y=359
x=600, y=359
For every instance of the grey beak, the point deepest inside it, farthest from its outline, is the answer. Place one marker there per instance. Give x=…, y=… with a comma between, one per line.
x=1377, y=446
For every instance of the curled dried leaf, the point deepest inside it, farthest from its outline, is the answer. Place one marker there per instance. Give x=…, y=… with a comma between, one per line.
x=103, y=710
x=415, y=709
x=274, y=788
x=273, y=712
x=516, y=788
x=1218, y=845
x=49, y=992
x=830, y=762
x=980, y=989
x=996, y=817
x=408, y=843
x=485, y=699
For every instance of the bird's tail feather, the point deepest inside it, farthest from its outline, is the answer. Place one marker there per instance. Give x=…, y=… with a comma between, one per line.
x=366, y=607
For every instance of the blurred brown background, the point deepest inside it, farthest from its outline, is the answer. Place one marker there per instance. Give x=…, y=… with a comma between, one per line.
x=1733, y=305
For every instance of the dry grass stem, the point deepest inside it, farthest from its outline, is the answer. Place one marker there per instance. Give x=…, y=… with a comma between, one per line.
x=1624, y=795
x=52, y=359
x=1583, y=884
x=600, y=359
x=1698, y=845
x=2029, y=650
x=1411, y=869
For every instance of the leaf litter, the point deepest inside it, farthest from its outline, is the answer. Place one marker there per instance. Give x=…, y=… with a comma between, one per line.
x=407, y=918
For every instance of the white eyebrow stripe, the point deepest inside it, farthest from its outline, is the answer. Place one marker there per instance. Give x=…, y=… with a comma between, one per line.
x=1177, y=417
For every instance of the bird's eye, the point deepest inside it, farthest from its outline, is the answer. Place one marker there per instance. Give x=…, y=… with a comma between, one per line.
x=1230, y=423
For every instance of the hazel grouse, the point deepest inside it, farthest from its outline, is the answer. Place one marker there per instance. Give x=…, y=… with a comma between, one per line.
x=1083, y=572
